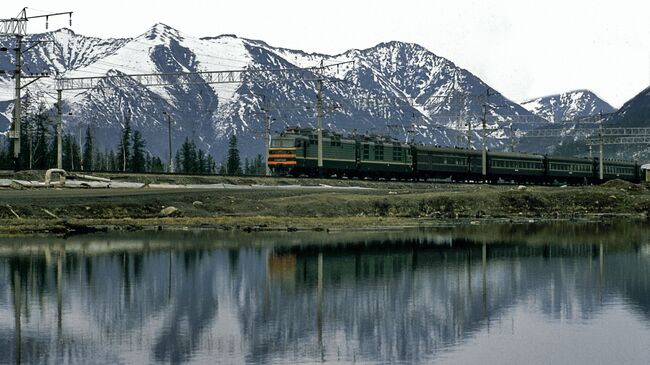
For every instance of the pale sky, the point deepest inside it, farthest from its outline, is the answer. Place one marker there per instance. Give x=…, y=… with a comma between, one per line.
x=522, y=48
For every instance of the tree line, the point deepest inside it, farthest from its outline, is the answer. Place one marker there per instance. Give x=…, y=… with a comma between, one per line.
x=39, y=152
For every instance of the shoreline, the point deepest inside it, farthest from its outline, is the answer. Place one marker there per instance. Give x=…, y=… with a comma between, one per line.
x=246, y=206
x=59, y=228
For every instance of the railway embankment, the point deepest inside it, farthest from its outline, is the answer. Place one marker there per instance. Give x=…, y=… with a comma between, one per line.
x=258, y=203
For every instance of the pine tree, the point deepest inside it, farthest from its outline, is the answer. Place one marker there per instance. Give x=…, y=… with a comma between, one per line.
x=111, y=162
x=234, y=163
x=5, y=160
x=124, y=148
x=179, y=165
x=138, y=156
x=147, y=162
x=200, y=162
x=247, y=167
x=210, y=165
x=156, y=165
x=260, y=169
x=89, y=151
x=98, y=161
x=41, y=148
x=71, y=153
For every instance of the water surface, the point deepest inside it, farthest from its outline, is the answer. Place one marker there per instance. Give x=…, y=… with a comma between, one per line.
x=560, y=294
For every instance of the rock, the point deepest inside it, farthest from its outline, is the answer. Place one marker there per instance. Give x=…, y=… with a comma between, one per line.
x=197, y=203
x=563, y=186
x=521, y=187
x=170, y=211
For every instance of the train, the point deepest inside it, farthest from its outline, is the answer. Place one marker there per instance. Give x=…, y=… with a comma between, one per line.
x=294, y=152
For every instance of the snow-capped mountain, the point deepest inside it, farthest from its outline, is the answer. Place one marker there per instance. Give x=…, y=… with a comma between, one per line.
x=392, y=88
x=568, y=106
x=634, y=113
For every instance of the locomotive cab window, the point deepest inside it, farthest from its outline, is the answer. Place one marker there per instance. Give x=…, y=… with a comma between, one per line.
x=282, y=143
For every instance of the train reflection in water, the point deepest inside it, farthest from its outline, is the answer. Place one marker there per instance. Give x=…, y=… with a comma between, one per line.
x=373, y=299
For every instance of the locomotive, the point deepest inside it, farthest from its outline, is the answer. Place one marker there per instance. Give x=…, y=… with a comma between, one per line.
x=295, y=152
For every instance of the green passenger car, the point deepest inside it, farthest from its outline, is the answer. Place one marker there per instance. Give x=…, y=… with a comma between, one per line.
x=442, y=162
x=570, y=169
x=624, y=170
x=521, y=167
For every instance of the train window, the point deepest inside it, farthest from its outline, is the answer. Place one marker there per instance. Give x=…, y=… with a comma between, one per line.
x=366, y=152
x=397, y=152
x=282, y=143
x=379, y=152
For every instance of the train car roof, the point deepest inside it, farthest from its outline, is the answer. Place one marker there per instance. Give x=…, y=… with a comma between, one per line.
x=570, y=159
x=448, y=150
x=528, y=156
x=617, y=162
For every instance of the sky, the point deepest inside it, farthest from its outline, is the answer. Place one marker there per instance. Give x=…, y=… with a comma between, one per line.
x=522, y=48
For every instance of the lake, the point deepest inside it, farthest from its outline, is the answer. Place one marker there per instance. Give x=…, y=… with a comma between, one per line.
x=563, y=293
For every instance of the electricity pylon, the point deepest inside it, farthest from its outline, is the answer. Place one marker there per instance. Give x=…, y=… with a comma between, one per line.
x=17, y=27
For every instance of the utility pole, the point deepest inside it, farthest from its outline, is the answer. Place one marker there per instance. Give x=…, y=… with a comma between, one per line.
x=600, y=162
x=71, y=136
x=81, y=151
x=59, y=130
x=267, y=124
x=412, y=131
x=169, y=140
x=319, y=118
x=17, y=106
x=512, y=138
x=125, y=141
x=484, y=122
x=18, y=27
x=484, y=147
x=461, y=118
x=601, y=137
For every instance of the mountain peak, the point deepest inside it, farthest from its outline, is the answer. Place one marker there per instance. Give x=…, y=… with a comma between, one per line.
x=161, y=31
x=568, y=105
x=65, y=30
x=399, y=45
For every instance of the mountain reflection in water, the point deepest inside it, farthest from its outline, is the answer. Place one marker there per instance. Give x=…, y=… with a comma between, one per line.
x=288, y=298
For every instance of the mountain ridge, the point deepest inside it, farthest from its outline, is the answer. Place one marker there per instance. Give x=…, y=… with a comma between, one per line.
x=568, y=105
x=392, y=87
